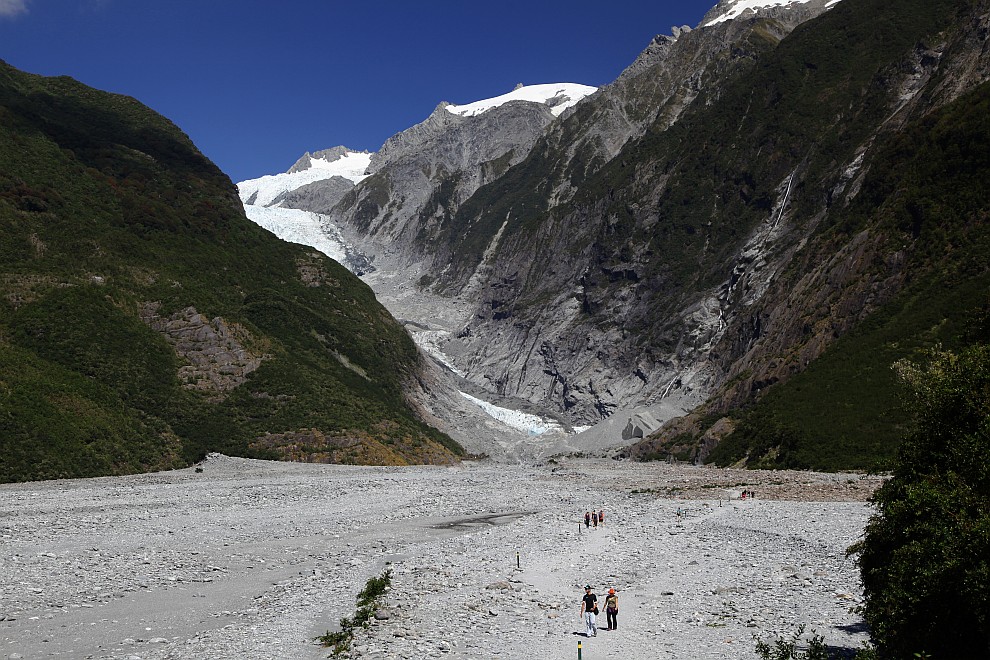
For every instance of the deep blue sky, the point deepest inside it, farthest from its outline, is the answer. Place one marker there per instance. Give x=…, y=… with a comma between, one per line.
x=255, y=83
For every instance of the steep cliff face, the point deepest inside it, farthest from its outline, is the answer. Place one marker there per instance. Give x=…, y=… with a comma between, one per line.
x=646, y=283
x=420, y=177
x=511, y=216
x=887, y=261
x=660, y=84
x=590, y=300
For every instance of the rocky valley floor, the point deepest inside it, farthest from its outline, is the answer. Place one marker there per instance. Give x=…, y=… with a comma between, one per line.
x=252, y=559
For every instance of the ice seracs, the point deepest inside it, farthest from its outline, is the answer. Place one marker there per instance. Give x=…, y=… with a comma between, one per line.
x=303, y=227
x=532, y=425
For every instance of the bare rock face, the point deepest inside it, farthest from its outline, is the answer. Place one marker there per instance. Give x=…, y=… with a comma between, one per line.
x=217, y=359
x=318, y=197
x=570, y=351
x=639, y=426
x=412, y=140
x=549, y=353
x=424, y=173
x=580, y=313
x=547, y=255
x=306, y=160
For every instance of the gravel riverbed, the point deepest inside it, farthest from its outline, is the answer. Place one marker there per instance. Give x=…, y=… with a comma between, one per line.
x=254, y=559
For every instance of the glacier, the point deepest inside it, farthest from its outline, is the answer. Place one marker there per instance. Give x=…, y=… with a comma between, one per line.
x=264, y=190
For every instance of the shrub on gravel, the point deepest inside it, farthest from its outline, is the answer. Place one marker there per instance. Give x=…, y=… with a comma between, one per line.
x=368, y=600
x=787, y=649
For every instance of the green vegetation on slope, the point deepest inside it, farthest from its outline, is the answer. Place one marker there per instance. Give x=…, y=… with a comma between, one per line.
x=108, y=211
x=926, y=190
x=925, y=555
x=693, y=191
x=847, y=410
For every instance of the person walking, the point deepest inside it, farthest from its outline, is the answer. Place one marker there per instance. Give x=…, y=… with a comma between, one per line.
x=587, y=519
x=589, y=610
x=594, y=518
x=611, y=609
x=601, y=517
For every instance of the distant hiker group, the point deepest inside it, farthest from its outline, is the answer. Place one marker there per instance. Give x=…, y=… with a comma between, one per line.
x=594, y=518
x=589, y=611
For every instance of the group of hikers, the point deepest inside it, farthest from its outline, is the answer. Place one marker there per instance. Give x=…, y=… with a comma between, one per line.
x=589, y=604
x=589, y=610
x=594, y=518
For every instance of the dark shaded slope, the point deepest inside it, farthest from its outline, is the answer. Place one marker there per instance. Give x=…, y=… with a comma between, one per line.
x=145, y=321
x=926, y=195
x=896, y=260
x=674, y=210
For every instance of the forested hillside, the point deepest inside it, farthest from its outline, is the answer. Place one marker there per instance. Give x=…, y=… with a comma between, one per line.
x=144, y=321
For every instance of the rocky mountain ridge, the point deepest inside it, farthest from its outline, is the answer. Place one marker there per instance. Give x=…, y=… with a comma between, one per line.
x=680, y=233
x=418, y=185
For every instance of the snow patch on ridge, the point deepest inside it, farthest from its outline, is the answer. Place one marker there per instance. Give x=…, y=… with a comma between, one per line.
x=558, y=96
x=737, y=8
x=265, y=190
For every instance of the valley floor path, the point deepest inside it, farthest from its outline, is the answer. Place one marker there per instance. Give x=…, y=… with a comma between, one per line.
x=254, y=559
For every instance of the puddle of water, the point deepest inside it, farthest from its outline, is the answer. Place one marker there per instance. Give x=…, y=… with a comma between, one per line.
x=489, y=520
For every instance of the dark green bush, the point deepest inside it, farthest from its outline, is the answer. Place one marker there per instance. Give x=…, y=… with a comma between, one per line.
x=368, y=600
x=794, y=648
x=925, y=556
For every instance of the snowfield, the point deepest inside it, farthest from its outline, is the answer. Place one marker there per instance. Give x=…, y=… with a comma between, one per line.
x=737, y=8
x=559, y=96
x=265, y=190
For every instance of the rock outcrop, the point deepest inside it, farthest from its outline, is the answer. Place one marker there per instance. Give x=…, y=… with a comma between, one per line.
x=422, y=175
x=318, y=197
x=217, y=360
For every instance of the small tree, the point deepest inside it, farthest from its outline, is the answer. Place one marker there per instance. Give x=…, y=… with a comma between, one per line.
x=924, y=556
x=787, y=649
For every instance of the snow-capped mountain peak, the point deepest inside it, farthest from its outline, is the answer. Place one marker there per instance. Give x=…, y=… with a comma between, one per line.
x=319, y=166
x=558, y=96
x=731, y=9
